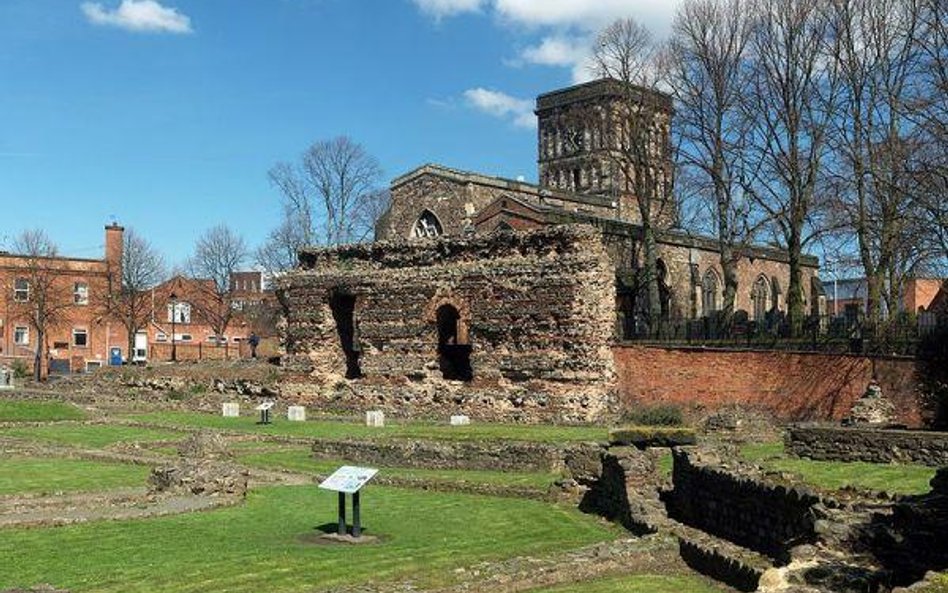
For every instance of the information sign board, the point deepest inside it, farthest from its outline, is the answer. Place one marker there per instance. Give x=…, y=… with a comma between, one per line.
x=348, y=479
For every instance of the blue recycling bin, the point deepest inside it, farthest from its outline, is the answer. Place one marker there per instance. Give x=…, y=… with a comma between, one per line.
x=115, y=357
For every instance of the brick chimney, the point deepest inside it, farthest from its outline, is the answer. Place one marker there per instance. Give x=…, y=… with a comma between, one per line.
x=114, y=244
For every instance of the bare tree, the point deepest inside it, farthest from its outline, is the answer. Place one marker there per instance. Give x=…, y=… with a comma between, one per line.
x=791, y=102
x=708, y=68
x=142, y=269
x=930, y=166
x=626, y=53
x=330, y=197
x=218, y=253
x=878, y=64
x=41, y=292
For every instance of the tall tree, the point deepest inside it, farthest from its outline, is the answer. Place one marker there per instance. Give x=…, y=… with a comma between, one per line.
x=709, y=75
x=41, y=294
x=218, y=253
x=876, y=55
x=626, y=52
x=331, y=196
x=791, y=102
x=142, y=269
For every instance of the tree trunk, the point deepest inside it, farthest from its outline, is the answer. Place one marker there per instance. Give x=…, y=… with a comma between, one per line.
x=795, y=309
x=652, y=281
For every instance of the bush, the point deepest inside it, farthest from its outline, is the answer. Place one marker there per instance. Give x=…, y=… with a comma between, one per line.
x=20, y=369
x=652, y=436
x=661, y=415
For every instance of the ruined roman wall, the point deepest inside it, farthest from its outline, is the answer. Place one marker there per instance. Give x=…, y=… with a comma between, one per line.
x=536, y=313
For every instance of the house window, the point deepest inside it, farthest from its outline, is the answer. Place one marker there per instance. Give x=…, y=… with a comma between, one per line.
x=21, y=335
x=179, y=312
x=184, y=337
x=80, y=338
x=80, y=293
x=21, y=290
x=160, y=337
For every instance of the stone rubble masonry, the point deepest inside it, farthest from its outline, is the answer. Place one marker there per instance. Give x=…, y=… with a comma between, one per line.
x=766, y=517
x=537, y=310
x=872, y=445
x=469, y=455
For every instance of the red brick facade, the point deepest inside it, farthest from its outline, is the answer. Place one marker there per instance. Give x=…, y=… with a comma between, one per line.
x=81, y=289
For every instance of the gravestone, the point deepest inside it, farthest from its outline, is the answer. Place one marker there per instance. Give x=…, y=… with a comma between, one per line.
x=230, y=410
x=460, y=420
x=375, y=418
x=6, y=378
x=296, y=413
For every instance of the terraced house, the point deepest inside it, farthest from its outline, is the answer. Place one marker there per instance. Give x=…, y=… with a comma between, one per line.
x=55, y=309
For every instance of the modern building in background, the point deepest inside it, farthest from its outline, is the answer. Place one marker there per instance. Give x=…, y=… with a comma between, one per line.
x=81, y=334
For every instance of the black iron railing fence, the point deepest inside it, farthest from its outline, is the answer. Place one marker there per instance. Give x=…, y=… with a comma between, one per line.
x=896, y=336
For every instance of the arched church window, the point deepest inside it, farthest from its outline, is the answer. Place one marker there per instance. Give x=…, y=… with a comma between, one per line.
x=710, y=292
x=427, y=225
x=760, y=295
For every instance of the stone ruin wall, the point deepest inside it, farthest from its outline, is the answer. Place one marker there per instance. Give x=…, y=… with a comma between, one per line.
x=868, y=444
x=536, y=309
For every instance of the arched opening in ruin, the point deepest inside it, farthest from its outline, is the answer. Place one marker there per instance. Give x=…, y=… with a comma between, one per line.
x=427, y=225
x=343, y=305
x=454, y=351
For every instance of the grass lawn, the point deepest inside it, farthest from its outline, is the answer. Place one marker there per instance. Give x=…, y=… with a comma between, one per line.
x=257, y=546
x=31, y=475
x=38, y=411
x=645, y=583
x=833, y=475
x=300, y=459
x=339, y=429
x=91, y=435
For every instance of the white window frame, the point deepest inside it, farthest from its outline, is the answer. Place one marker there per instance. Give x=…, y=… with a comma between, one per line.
x=21, y=294
x=80, y=331
x=80, y=293
x=21, y=335
x=179, y=312
x=161, y=337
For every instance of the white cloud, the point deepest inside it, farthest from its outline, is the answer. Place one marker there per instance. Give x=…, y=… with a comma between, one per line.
x=565, y=51
x=502, y=105
x=443, y=8
x=585, y=15
x=139, y=16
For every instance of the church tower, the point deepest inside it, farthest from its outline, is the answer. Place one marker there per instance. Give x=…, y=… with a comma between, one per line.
x=609, y=139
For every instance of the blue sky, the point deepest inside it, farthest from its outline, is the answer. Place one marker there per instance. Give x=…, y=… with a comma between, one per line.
x=166, y=115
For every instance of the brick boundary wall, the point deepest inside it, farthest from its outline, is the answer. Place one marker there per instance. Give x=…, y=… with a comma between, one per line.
x=793, y=386
x=872, y=445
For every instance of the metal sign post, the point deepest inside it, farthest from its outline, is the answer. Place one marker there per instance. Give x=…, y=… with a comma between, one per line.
x=349, y=479
x=264, y=412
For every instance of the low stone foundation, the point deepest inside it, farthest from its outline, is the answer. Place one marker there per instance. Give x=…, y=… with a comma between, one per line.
x=872, y=445
x=765, y=517
x=487, y=455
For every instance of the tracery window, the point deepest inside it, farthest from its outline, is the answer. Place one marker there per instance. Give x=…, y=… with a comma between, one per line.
x=427, y=225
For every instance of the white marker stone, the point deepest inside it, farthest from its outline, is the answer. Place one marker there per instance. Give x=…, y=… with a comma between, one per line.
x=460, y=420
x=231, y=410
x=375, y=418
x=296, y=413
